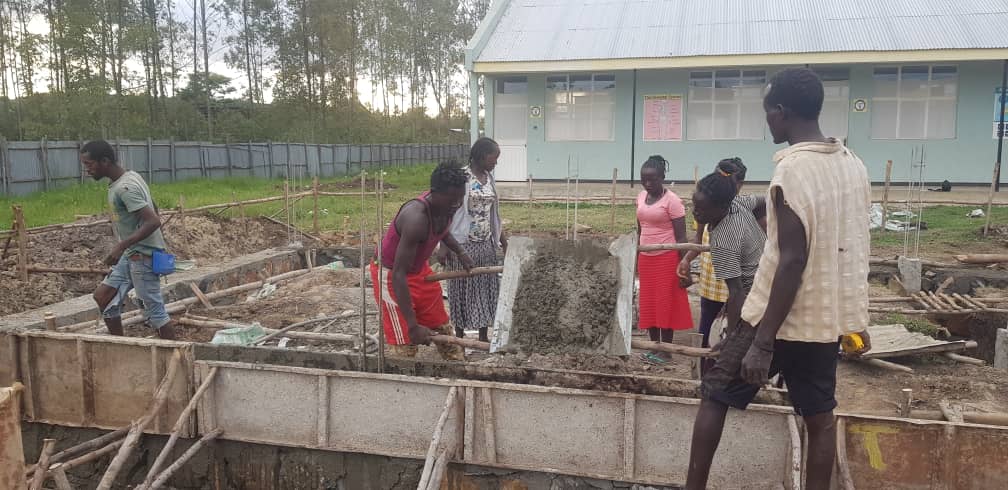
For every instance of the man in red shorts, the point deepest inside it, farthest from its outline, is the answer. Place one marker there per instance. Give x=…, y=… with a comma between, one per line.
x=413, y=309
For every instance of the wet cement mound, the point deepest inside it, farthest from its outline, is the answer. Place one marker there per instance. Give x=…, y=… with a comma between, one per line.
x=566, y=300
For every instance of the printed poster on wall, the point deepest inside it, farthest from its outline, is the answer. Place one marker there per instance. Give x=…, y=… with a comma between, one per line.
x=663, y=117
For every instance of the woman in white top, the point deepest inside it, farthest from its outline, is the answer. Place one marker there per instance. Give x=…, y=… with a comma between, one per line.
x=476, y=227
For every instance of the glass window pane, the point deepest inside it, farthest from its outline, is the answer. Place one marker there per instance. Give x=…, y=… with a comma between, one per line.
x=556, y=82
x=752, y=120
x=605, y=82
x=886, y=82
x=943, y=88
x=832, y=74
x=943, y=72
x=698, y=120
x=581, y=83
x=725, y=121
x=512, y=85
x=911, y=120
x=883, y=114
x=701, y=79
x=697, y=93
x=941, y=119
x=558, y=126
x=581, y=121
x=602, y=122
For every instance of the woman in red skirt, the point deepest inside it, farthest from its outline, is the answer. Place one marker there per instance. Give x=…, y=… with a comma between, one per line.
x=661, y=218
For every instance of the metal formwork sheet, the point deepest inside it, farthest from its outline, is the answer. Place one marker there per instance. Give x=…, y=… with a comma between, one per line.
x=335, y=410
x=94, y=380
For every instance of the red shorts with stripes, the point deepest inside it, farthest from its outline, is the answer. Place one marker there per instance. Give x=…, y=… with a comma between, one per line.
x=428, y=303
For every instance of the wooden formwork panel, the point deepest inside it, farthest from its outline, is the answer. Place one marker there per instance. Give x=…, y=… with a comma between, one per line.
x=97, y=381
x=611, y=436
x=907, y=454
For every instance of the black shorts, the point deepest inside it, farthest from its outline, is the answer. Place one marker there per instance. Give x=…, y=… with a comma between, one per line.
x=808, y=369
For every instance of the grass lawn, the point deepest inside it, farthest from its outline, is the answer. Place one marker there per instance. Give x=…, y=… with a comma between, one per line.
x=949, y=230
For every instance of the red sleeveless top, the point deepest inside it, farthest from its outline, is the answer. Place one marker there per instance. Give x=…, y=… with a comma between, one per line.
x=391, y=240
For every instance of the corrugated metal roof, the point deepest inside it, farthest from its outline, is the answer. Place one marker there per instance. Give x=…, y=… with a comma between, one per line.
x=555, y=30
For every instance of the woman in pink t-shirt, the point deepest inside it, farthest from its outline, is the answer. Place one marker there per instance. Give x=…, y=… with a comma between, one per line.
x=661, y=218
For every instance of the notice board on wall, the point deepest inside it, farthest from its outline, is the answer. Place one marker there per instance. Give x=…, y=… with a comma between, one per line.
x=663, y=117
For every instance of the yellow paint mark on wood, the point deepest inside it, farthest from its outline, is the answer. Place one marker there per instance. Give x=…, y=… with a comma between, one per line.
x=869, y=440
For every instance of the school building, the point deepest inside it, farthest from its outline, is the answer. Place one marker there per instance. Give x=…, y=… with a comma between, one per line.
x=593, y=85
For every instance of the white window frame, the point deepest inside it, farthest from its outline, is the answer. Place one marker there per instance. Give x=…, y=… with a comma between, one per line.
x=926, y=99
x=594, y=107
x=737, y=101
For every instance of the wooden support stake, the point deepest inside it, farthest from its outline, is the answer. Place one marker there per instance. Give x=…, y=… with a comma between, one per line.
x=82, y=448
x=162, y=457
x=315, y=225
x=530, y=201
x=672, y=348
x=892, y=366
x=186, y=456
x=953, y=413
x=688, y=247
x=363, y=269
x=287, y=203
x=990, y=199
x=907, y=405
x=441, y=463
x=796, y=452
x=22, y=242
x=50, y=321
x=612, y=203
x=202, y=297
x=60, y=478
x=89, y=457
x=964, y=359
x=132, y=439
x=885, y=193
x=476, y=271
x=846, y=481
x=181, y=217
x=43, y=464
x=432, y=450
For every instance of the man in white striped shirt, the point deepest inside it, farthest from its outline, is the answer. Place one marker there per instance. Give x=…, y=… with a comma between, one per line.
x=810, y=287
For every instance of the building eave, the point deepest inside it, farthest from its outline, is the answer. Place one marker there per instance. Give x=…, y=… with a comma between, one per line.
x=773, y=59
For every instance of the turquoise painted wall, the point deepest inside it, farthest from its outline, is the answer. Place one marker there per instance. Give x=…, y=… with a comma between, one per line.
x=968, y=158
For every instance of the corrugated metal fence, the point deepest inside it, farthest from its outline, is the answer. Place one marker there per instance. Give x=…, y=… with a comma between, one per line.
x=30, y=166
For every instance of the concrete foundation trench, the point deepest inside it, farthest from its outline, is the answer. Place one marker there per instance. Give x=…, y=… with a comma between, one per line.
x=316, y=412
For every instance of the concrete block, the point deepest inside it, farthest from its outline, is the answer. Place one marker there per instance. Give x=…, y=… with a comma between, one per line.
x=910, y=274
x=1001, y=350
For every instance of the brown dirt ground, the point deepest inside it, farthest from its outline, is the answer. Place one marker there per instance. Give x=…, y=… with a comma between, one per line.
x=206, y=239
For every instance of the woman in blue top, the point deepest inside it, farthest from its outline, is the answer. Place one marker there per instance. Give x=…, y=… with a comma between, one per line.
x=477, y=228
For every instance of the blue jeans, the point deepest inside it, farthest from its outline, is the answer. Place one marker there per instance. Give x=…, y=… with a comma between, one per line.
x=134, y=272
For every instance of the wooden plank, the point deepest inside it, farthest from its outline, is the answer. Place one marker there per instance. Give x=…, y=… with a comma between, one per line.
x=323, y=411
x=202, y=297
x=84, y=363
x=469, y=430
x=629, y=437
x=939, y=347
x=489, y=439
x=795, y=447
